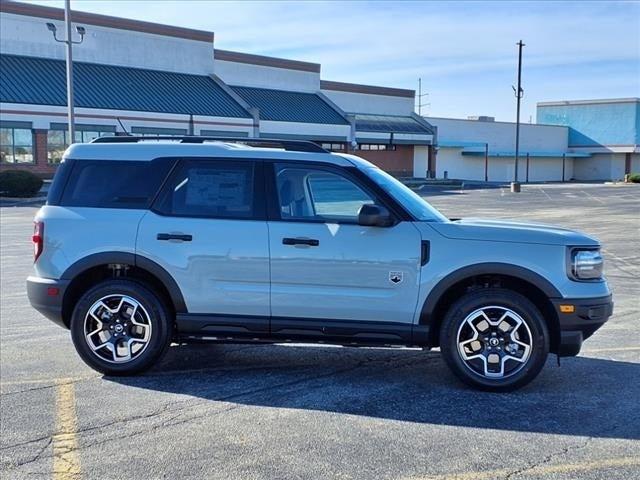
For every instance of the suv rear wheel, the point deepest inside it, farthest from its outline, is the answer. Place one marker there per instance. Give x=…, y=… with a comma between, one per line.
x=120, y=327
x=494, y=339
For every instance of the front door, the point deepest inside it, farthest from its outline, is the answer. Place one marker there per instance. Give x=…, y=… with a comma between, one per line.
x=327, y=267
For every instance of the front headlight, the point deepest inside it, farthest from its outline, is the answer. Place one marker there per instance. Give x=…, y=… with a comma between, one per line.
x=586, y=264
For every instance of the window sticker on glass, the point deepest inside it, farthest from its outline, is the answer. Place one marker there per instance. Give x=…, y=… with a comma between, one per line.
x=216, y=188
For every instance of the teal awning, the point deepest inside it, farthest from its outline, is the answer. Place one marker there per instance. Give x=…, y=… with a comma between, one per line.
x=392, y=124
x=41, y=81
x=286, y=106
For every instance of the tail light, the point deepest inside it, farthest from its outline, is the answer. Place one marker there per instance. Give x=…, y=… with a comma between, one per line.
x=37, y=239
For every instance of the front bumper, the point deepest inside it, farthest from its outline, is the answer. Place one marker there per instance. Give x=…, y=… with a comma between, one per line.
x=588, y=316
x=45, y=295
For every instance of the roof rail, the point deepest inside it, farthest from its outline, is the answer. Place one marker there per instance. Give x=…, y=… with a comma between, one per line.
x=290, y=145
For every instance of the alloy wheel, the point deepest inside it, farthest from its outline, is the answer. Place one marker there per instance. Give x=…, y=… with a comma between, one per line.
x=494, y=342
x=117, y=328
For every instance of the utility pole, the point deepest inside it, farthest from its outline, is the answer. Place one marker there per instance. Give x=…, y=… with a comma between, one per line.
x=420, y=96
x=515, y=185
x=69, y=44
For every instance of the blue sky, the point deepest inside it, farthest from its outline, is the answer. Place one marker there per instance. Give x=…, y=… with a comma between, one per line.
x=465, y=52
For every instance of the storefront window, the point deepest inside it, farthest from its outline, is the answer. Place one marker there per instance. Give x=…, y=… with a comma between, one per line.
x=335, y=147
x=58, y=139
x=375, y=146
x=16, y=145
x=158, y=132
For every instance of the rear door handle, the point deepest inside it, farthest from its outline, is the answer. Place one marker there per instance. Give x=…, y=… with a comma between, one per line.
x=175, y=236
x=311, y=242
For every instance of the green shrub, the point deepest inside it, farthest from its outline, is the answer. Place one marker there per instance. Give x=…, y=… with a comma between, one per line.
x=19, y=183
x=634, y=177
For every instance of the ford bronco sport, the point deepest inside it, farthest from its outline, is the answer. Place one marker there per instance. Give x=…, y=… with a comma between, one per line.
x=142, y=243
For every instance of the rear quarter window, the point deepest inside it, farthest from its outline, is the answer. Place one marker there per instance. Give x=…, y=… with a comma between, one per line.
x=114, y=184
x=59, y=181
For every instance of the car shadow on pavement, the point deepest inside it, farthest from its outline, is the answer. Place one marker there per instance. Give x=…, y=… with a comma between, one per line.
x=585, y=396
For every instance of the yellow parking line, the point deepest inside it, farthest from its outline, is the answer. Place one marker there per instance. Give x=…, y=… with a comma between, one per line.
x=66, y=463
x=52, y=381
x=539, y=470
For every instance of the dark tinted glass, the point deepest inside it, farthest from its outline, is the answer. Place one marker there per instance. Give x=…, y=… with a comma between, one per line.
x=114, y=184
x=59, y=181
x=203, y=188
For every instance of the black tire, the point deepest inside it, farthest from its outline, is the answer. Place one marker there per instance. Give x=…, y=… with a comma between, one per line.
x=523, y=372
x=153, y=307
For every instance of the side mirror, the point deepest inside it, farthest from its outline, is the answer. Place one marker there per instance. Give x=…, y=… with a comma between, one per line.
x=374, y=216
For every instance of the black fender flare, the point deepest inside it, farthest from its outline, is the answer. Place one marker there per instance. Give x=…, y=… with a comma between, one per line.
x=104, y=258
x=489, y=268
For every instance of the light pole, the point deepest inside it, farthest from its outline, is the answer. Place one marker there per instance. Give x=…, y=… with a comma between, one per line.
x=486, y=162
x=515, y=185
x=81, y=31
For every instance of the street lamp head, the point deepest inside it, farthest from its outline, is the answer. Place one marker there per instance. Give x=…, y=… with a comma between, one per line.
x=51, y=27
x=80, y=30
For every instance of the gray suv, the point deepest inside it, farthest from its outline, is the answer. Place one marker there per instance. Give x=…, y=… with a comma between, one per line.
x=144, y=242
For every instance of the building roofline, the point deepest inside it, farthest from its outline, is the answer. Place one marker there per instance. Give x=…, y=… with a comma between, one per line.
x=370, y=89
x=597, y=101
x=522, y=124
x=273, y=89
x=238, y=57
x=40, y=11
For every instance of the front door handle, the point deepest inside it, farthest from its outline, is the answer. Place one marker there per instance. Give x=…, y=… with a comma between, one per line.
x=311, y=242
x=175, y=236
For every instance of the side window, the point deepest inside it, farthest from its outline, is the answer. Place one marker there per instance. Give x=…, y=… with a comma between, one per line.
x=210, y=188
x=308, y=193
x=114, y=184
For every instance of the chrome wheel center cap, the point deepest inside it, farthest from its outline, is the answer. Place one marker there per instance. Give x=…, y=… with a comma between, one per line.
x=118, y=328
x=494, y=342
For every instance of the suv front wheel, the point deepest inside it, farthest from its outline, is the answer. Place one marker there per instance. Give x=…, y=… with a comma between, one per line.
x=120, y=327
x=494, y=339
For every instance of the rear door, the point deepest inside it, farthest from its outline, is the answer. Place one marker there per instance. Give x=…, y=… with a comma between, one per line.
x=208, y=229
x=325, y=267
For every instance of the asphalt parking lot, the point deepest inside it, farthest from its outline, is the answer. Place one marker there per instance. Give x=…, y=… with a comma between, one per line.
x=288, y=412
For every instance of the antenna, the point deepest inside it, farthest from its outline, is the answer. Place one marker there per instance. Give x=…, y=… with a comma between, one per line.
x=122, y=125
x=419, y=98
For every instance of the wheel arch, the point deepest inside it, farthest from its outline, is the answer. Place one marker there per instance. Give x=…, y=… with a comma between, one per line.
x=522, y=280
x=94, y=268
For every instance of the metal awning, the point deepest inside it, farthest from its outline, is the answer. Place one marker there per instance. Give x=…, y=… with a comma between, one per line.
x=41, y=81
x=399, y=124
x=287, y=106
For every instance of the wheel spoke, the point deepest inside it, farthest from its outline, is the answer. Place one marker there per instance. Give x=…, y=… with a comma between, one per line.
x=107, y=344
x=97, y=330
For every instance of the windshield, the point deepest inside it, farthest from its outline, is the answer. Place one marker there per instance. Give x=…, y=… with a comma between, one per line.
x=410, y=200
